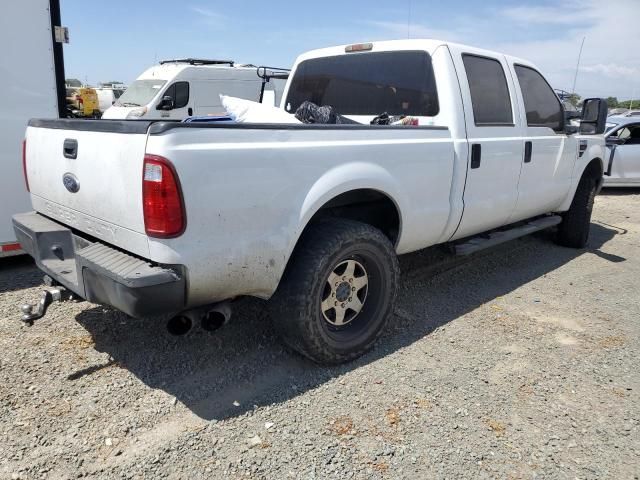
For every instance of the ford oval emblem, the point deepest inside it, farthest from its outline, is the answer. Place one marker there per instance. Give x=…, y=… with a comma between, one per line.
x=70, y=182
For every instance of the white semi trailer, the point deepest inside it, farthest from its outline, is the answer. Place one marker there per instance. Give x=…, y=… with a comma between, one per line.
x=31, y=85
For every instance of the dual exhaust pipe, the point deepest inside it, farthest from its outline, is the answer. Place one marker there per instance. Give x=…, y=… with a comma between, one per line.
x=211, y=319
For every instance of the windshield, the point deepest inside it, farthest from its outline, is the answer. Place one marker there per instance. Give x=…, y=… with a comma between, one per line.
x=398, y=83
x=140, y=93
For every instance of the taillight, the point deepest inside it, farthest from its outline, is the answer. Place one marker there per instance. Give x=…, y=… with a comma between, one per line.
x=164, y=215
x=24, y=164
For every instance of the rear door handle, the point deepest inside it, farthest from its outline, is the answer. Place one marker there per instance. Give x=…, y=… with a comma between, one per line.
x=528, y=148
x=476, y=154
x=70, y=148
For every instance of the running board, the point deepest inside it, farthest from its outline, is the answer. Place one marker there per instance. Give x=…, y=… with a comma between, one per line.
x=476, y=244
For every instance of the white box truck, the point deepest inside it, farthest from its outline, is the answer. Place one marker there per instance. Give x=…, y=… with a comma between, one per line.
x=31, y=84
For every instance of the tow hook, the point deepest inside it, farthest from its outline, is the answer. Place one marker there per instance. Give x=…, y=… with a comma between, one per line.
x=31, y=312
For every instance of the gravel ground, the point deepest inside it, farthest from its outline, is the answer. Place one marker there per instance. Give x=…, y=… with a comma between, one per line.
x=520, y=362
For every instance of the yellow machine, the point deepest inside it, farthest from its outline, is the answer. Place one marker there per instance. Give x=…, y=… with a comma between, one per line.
x=83, y=101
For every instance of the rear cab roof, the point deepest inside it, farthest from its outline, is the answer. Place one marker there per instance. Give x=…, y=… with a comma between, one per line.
x=426, y=44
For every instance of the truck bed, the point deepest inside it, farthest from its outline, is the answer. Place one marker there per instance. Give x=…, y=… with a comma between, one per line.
x=249, y=189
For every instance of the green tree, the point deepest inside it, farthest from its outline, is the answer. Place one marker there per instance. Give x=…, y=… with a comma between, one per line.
x=629, y=104
x=612, y=102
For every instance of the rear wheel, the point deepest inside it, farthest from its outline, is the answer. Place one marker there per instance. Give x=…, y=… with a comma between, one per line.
x=576, y=222
x=338, y=292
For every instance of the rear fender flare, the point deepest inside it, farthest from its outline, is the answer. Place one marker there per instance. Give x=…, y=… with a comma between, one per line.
x=345, y=178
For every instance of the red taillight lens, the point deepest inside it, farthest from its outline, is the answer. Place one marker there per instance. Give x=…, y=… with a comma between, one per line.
x=24, y=163
x=164, y=215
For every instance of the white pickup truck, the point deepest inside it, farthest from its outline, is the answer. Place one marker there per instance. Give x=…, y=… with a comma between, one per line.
x=173, y=219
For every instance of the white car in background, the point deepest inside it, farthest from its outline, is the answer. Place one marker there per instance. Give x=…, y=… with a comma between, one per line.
x=623, y=145
x=177, y=89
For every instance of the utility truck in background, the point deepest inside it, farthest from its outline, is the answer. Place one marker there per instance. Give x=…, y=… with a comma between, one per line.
x=175, y=219
x=177, y=89
x=31, y=85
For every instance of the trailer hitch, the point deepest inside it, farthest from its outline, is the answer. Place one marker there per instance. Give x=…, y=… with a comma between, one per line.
x=31, y=312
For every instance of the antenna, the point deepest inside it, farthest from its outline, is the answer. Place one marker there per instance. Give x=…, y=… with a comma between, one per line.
x=409, y=21
x=575, y=78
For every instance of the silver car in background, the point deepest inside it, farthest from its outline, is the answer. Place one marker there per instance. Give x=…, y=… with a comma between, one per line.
x=623, y=147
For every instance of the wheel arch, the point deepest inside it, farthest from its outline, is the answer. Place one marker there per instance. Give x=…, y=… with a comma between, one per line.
x=595, y=169
x=371, y=195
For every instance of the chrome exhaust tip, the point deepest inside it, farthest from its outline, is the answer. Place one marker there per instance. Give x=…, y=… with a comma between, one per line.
x=216, y=317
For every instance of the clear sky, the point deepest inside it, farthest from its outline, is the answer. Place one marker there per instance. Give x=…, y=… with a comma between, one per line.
x=118, y=40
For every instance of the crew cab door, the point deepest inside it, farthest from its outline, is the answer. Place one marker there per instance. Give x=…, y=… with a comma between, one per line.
x=495, y=141
x=549, y=153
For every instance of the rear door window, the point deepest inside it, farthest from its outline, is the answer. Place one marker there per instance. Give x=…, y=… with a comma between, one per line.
x=489, y=91
x=398, y=83
x=541, y=103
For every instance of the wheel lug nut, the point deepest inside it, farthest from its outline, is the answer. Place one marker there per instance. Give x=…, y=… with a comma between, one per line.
x=353, y=289
x=336, y=303
x=342, y=305
x=333, y=294
x=350, y=299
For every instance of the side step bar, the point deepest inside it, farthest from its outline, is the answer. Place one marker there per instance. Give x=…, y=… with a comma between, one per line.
x=476, y=244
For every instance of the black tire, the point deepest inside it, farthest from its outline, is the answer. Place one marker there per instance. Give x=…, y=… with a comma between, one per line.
x=298, y=308
x=576, y=222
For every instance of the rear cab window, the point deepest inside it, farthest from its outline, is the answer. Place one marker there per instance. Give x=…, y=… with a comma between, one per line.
x=489, y=90
x=367, y=84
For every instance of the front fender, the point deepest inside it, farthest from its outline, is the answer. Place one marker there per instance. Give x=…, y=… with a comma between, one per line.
x=595, y=151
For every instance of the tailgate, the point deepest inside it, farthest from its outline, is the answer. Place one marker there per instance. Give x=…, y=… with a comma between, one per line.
x=91, y=168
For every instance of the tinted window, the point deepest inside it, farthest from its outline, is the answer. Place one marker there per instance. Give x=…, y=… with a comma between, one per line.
x=542, y=106
x=179, y=91
x=489, y=91
x=367, y=84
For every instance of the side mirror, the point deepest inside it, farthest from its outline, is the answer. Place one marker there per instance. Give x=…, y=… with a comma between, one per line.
x=614, y=141
x=594, y=116
x=166, y=103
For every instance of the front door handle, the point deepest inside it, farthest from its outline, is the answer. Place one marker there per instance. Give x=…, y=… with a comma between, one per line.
x=190, y=111
x=528, y=148
x=476, y=154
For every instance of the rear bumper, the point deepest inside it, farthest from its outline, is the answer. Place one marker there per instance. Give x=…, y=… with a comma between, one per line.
x=100, y=273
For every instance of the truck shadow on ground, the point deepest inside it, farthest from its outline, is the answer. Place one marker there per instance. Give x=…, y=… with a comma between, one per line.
x=245, y=364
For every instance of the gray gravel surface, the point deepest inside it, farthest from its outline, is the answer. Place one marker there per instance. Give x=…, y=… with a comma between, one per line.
x=519, y=362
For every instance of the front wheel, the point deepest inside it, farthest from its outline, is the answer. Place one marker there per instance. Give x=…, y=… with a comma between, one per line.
x=338, y=291
x=576, y=222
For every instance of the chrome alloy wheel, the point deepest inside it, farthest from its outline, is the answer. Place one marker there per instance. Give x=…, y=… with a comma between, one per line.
x=345, y=293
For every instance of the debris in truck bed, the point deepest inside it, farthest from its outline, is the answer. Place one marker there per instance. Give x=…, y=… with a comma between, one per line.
x=309, y=112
